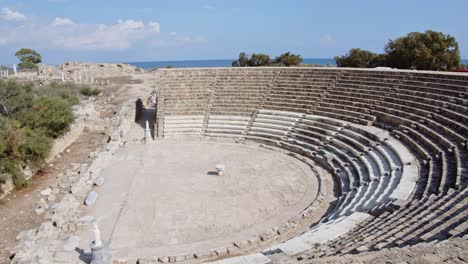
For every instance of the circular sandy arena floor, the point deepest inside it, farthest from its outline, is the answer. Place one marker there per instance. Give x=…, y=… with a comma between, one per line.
x=164, y=198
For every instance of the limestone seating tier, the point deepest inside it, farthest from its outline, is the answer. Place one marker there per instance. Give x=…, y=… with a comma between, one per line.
x=183, y=125
x=226, y=125
x=451, y=118
x=377, y=187
x=344, y=120
x=431, y=218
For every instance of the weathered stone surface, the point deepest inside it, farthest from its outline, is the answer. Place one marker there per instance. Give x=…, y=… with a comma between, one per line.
x=72, y=243
x=26, y=233
x=362, y=249
x=45, y=230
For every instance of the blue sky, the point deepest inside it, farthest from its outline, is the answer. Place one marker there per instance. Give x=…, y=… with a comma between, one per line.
x=149, y=30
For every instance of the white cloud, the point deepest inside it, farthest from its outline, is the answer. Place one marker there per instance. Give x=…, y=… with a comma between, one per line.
x=172, y=33
x=155, y=26
x=62, y=22
x=8, y=14
x=130, y=24
x=208, y=7
x=63, y=33
x=327, y=40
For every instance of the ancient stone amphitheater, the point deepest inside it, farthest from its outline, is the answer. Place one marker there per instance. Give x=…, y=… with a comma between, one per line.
x=394, y=142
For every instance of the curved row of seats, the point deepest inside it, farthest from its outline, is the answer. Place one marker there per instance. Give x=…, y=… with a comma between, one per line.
x=391, y=139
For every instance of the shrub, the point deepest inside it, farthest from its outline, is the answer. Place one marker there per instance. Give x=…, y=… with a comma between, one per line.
x=12, y=137
x=50, y=115
x=30, y=119
x=88, y=91
x=15, y=96
x=66, y=91
x=36, y=146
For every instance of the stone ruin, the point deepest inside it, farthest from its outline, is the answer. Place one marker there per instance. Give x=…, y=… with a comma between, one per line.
x=394, y=142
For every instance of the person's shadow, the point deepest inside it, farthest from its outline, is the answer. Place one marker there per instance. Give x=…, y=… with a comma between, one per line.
x=85, y=257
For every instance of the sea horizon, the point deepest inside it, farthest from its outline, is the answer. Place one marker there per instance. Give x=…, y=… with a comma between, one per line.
x=147, y=65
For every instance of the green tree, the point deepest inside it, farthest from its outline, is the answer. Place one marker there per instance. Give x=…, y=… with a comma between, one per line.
x=242, y=61
x=259, y=59
x=358, y=58
x=289, y=59
x=29, y=58
x=423, y=51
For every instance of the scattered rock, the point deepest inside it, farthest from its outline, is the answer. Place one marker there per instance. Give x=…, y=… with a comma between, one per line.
x=163, y=259
x=99, y=181
x=46, y=192
x=39, y=211
x=51, y=198
x=91, y=198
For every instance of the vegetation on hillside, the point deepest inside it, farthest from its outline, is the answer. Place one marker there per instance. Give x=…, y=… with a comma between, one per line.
x=88, y=91
x=260, y=59
x=30, y=119
x=429, y=50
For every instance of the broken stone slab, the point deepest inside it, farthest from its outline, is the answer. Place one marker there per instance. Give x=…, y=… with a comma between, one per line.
x=99, y=181
x=91, y=198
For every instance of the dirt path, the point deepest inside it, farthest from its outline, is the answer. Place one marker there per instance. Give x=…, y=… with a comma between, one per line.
x=17, y=209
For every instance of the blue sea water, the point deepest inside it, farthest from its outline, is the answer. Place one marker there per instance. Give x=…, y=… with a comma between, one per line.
x=221, y=63
x=212, y=63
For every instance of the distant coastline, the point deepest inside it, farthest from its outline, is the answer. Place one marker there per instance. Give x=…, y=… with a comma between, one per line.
x=213, y=63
